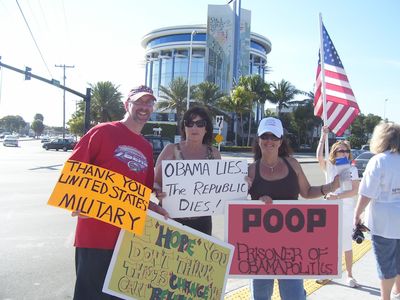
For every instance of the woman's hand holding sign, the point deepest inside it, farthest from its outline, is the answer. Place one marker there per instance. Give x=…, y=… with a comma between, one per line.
x=266, y=199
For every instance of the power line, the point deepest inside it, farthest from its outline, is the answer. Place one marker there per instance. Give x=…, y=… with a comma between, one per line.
x=34, y=40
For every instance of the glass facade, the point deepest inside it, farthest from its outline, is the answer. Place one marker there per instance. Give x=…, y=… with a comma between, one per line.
x=173, y=38
x=181, y=66
x=167, y=57
x=166, y=71
x=155, y=76
x=197, y=70
x=257, y=46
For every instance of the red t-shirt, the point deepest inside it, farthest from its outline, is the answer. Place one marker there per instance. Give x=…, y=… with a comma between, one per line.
x=114, y=147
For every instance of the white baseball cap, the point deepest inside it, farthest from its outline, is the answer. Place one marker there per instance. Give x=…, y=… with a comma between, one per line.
x=272, y=125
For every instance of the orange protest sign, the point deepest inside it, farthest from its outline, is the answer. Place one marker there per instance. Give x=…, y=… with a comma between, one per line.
x=102, y=194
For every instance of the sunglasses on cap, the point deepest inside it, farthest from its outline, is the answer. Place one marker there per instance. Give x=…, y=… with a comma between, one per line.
x=268, y=136
x=342, y=151
x=198, y=123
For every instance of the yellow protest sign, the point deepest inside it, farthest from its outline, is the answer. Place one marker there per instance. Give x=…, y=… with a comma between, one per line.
x=102, y=194
x=169, y=261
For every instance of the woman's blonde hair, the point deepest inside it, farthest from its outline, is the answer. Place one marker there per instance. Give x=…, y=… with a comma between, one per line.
x=335, y=146
x=386, y=137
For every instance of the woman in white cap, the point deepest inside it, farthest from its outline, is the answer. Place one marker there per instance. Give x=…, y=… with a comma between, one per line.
x=275, y=175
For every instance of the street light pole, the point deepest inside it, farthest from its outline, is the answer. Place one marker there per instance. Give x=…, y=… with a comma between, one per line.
x=189, y=69
x=384, y=110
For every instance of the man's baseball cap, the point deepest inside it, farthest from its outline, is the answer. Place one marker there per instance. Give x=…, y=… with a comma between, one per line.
x=272, y=125
x=140, y=91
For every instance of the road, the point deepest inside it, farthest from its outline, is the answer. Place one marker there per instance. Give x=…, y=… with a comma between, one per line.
x=36, y=252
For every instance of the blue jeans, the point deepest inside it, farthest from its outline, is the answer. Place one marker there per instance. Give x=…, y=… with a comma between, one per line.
x=387, y=253
x=289, y=289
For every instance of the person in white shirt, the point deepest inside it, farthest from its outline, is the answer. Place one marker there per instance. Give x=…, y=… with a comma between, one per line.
x=341, y=150
x=380, y=188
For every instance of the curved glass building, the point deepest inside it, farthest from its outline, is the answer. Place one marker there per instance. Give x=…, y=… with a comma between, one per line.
x=167, y=56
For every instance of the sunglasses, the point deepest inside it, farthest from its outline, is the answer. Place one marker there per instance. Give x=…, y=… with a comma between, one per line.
x=143, y=103
x=267, y=136
x=198, y=123
x=342, y=151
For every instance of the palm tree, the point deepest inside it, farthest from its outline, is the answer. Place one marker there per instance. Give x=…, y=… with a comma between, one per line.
x=259, y=89
x=208, y=94
x=174, y=97
x=239, y=103
x=282, y=93
x=106, y=104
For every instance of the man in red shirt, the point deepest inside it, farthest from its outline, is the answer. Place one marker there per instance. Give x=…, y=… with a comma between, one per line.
x=117, y=146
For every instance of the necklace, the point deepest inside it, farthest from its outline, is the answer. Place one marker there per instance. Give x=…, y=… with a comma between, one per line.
x=271, y=168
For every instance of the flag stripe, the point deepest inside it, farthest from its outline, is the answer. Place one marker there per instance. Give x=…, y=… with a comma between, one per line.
x=331, y=97
x=334, y=81
x=341, y=105
x=338, y=89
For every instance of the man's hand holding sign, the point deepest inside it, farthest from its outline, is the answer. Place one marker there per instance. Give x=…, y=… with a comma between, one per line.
x=102, y=194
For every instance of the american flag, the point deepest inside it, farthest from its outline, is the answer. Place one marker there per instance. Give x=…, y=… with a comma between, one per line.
x=342, y=107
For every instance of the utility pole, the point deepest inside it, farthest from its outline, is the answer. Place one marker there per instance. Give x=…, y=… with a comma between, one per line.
x=384, y=110
x=64, y=67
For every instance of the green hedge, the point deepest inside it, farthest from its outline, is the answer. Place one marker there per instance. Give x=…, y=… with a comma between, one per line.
x=236, y=148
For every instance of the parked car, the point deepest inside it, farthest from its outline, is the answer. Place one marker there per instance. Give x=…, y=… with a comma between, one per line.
x=356, y=152
x=365, y=147
x=361, y=161
x=10, y=140
x=45, y=139
x=158, y=144
x=3, y=134
x=305, y=147
x=60, y=143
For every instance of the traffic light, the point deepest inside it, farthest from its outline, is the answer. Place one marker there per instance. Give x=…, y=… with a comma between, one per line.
x=28, y=73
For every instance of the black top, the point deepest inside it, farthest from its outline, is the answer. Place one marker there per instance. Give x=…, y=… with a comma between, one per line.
x=286, y=188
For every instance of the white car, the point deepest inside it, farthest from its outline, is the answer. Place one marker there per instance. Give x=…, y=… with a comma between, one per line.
x=10, y=140
x=305, y=147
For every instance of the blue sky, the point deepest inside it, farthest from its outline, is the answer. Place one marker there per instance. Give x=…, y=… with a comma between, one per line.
x=102, y=39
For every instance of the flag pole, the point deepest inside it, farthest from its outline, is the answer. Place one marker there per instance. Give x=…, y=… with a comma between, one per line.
x=323, y=91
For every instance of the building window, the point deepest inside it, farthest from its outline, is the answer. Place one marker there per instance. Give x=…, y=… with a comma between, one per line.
x=181, y=66
x=155, y=77
x=197, y=70
x=173, y=38
x=166, y=71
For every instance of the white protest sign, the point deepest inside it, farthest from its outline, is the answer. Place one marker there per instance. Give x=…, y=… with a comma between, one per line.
x=200, y=187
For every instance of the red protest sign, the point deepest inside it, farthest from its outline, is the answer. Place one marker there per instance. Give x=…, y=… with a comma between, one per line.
x=292, y=239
